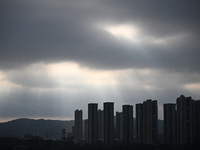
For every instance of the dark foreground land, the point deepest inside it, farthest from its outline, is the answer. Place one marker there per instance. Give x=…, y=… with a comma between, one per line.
x=40, y=144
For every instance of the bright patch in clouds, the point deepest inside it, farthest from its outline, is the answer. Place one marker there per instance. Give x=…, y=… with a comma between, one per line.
x=6, y=85
x=69, y=76
x=138, y=36
x=71, y=73
x=193, y=86
x=59, y=77
x=124, y=31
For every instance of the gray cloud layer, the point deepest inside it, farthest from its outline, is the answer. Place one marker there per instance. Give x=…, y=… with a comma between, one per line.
x=46, y=31
x=53, y=31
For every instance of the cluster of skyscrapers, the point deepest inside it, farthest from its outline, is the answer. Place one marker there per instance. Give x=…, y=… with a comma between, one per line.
x=181, y=123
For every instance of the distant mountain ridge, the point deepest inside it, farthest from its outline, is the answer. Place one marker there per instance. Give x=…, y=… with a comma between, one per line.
x=43, y=128
x=40, y=127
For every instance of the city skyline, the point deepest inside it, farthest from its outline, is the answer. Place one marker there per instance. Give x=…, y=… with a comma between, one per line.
x=57, y=56
x=179, y=128
x=180, y=125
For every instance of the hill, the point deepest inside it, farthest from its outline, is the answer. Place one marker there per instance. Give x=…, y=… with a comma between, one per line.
x=41, y=127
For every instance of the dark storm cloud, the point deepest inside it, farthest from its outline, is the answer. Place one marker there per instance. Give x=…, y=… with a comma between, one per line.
x=52, y=31
x=162, y=62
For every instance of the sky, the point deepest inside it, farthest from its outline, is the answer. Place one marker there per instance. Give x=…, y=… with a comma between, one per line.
x=57, y=56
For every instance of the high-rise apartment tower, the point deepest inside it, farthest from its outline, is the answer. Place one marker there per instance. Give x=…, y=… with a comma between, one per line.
x=127, y=124
x=170, y=124
x=108, y=123
x=92, y=123
x=78, y=125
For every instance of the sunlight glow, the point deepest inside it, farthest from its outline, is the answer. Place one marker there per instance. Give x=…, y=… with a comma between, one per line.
x=71, y=73
x=6, y=85
x=125, y=31
x=193, y=86
x=136, y=35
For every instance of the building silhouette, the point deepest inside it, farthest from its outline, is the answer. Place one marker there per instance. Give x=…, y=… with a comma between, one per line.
x=147, y=122
x=197, y=121
x=139, y=123
x=188, y=120
x=86, y=129
x=92, y=123
x=78, y=125
x=64, y=135
x=185, y=120
x=119, y=126
x=100, y=125
x=150, y=122
x=108, y=123
x=127, y=124
x=170, y=124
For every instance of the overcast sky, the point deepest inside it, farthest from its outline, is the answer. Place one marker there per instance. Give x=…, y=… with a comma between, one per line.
x=59, y=55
